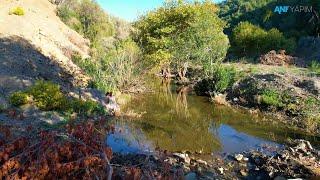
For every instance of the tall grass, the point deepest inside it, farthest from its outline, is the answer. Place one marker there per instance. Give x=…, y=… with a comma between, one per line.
x=115, y=70
x=314, y=67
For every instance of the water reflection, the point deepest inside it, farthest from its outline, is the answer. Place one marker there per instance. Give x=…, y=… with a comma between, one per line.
x=177, y=121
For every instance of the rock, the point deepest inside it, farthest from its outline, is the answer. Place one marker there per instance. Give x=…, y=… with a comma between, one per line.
x=238, y=157
x=190, y=176
x=200, y=161
x=186, y=168
x=243, y=172
x=303, y=145
x=220, y=99
x=311, y=85
x=199, y=169
x=309, y=146
x=184, y=157
x=170, y=160
x=221, y=170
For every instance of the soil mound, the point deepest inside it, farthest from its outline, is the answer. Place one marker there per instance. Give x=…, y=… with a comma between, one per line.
x=277, y=59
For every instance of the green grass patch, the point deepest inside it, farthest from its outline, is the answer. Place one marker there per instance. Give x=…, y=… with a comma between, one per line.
x=314, y=67
x=18, y=98
x=272, y=97
x=47, y=96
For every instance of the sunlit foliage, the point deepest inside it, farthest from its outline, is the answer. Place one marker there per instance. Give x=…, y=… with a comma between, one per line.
x=180, y=32
x=251, y=40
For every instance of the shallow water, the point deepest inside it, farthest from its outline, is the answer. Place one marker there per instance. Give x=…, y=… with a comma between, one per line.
x=178, y=121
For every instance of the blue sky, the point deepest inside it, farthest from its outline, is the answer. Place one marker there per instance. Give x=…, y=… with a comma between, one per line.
x=130, y=9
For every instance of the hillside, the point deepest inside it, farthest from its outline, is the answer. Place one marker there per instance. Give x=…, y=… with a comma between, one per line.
x=37, y=45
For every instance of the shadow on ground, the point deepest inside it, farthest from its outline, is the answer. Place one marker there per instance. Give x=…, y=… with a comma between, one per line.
x=21, y=64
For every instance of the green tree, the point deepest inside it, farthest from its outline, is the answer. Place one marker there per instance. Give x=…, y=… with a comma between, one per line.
x=180, y=33
x=260, y=12
x=86, y=17
x=251, y=40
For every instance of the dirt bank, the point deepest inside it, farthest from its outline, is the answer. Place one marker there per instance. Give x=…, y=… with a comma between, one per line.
x=292, y=98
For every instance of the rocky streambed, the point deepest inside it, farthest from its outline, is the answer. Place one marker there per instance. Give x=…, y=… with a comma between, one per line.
x=299, y=160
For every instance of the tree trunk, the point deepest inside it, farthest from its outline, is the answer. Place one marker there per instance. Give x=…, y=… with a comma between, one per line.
x=183, y=71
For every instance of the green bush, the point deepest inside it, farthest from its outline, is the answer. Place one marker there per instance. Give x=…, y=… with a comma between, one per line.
x=87, y=107
x=18, y=98
x=47, y=96
x=87, y=18
x=314, y=67
x=180, y=32
x=222, y=79
x=2, y=108
x=17, y=11
x=250, y=40
x=202, y=88
x=272, y=97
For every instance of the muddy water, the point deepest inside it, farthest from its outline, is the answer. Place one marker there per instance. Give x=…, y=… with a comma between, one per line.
x=179, y=121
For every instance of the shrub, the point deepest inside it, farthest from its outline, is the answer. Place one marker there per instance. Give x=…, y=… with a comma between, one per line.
x=87, y=18
x=87, y=107
x=18, y=98
x=47, y=96
x=182, y=32
x=113, y=62
x=2, y=108
x=222, y=79
x=250, y=40
x=271, y=97
x=203, y=87
x=314, y=67
x=17, y=11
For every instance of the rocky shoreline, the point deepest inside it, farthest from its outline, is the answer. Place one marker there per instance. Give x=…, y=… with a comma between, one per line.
x=299, y=160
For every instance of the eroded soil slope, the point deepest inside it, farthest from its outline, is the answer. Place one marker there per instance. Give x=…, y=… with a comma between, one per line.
x=37, y=45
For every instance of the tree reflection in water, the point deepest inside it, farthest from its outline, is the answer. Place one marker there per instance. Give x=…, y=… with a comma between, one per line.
x=177, y=121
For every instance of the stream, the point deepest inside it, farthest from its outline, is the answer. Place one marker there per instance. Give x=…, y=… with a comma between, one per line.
x=175, y=120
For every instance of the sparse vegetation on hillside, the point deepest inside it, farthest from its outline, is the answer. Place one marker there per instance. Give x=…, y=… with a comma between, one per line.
x=87, y=18
x=19, y=11
x=113, y=64
x=48, y=96
x=60, y=125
